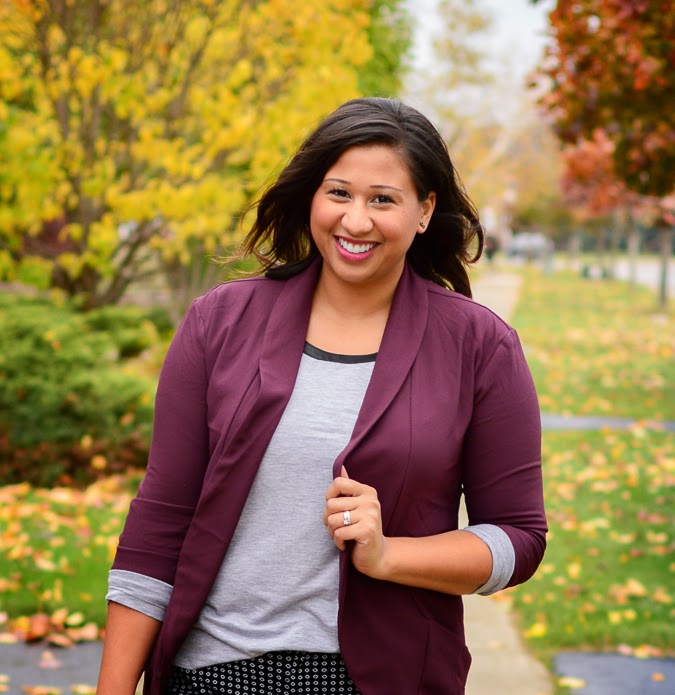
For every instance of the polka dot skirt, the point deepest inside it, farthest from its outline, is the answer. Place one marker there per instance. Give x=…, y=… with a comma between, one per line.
x=274, y=673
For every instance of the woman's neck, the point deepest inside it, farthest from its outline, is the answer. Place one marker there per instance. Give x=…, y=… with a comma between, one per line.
x=353, y=301
x=348, y=319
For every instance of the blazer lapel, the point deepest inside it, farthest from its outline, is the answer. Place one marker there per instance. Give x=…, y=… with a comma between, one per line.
x=400, y=344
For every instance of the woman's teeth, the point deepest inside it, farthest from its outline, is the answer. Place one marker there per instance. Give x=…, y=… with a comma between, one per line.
x=355, y=248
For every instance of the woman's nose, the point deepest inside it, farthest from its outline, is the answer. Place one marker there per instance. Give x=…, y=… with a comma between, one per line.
x=357, y=220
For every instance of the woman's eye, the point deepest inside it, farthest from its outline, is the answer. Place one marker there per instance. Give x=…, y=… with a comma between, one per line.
x=383, y=199
x=339, y=192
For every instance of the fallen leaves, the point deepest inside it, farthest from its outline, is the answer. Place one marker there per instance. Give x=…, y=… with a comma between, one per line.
x=56, y=547
x=605, y=580
x=60, y=629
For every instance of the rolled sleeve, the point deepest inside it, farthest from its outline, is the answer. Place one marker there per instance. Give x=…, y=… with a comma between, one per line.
x=503, y=557
x=144, y=594
x=502, y=477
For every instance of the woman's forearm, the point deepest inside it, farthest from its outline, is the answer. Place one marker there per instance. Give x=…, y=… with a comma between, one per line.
x=457, y=562
x=129, y=636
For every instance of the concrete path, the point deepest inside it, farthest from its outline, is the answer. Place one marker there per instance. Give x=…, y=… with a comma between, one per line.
x=501, y=662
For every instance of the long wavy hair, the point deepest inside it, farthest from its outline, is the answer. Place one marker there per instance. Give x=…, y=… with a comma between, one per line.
x=280, y=237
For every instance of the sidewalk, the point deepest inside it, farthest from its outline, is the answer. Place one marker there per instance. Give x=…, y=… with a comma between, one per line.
x=501, y=663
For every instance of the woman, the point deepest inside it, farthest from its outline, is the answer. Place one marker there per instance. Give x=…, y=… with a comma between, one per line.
x=346, y=386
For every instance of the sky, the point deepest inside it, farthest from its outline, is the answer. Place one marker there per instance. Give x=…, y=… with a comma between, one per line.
x=514, y=42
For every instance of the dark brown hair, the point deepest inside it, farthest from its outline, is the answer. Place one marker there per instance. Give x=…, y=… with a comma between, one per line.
x=280, y=237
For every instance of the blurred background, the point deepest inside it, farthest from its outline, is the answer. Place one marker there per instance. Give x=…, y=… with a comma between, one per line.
x=133, y=136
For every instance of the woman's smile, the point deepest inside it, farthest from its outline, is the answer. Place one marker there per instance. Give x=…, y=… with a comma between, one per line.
x=354, y=250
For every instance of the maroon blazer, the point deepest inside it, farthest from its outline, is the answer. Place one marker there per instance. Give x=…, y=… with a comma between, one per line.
x=451, y=407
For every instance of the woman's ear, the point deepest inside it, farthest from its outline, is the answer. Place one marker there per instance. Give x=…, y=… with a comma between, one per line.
x=426, y=211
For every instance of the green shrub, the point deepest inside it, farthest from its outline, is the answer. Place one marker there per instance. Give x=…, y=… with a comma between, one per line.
x=65, y=400
x=128, y=327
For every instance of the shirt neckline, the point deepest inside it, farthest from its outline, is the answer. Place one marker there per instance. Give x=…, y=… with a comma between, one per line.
x=325, y=356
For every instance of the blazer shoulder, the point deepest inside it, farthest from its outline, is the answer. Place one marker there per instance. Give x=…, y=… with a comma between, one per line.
x=240, y=291
x=459, y=310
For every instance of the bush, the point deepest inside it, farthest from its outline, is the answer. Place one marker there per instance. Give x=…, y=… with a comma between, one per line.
x=68, y=411
x=128, y=327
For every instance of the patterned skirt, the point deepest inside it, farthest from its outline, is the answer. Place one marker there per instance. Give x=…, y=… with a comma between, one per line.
x=274, y=673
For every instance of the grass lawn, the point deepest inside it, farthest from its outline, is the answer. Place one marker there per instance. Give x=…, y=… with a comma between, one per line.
x=607, y=579
x=597, y=347
x=606, y=582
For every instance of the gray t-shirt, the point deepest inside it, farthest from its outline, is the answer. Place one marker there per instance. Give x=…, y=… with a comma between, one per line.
x=277, y=588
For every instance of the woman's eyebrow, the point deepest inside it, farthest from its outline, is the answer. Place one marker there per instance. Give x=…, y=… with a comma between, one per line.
x=375, y=185
x=384, y=185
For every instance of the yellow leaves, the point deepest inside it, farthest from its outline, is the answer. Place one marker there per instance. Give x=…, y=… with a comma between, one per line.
x=571, y=682
x=99, y=462
x=574, y=570
x=536, y=630
x=74, y=619
x=660, y=595
x=71, y=263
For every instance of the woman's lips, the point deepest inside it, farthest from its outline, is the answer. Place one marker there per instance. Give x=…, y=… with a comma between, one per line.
x=355, y=250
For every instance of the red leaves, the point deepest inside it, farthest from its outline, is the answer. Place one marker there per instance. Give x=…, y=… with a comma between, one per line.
x=610, y=65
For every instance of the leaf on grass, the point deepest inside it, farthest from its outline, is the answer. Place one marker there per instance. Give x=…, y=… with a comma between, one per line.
x=59, y=640
x=571, y=682
x=75, y=619
x=38, y=627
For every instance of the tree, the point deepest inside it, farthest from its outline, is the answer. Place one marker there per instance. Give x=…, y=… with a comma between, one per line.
x=457, y=65
x=134, y=133
x=390, y=35
x=609, y=67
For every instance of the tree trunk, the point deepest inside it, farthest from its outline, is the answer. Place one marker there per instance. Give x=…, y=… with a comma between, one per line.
x=633, y=249
x=666, y=253
x=614, y=236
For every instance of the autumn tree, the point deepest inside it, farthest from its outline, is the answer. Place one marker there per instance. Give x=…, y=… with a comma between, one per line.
x=134, y=133
x=609, y=67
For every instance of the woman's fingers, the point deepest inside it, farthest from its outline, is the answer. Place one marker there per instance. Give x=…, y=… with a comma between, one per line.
x=346, y=487
x=353, y=515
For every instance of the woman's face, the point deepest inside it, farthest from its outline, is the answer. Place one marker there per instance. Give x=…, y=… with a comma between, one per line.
x=365, y=215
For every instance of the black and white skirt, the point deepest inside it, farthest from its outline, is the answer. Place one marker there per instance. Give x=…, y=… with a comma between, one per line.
x=274, y=673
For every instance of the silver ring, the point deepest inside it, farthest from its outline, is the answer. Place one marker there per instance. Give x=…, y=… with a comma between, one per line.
x=346, y=518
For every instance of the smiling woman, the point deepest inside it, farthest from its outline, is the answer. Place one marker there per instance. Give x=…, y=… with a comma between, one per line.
x=297, y=529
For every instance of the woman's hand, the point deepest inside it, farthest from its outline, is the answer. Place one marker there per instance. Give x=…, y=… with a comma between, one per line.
x=369, y=546
x=454, y=562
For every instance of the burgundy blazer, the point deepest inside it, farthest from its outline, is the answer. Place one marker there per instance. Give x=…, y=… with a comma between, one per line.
x=451, y=407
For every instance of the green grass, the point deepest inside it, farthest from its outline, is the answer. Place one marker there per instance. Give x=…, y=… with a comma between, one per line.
x=607, y=577
x=601, y=348
x=597, y=347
